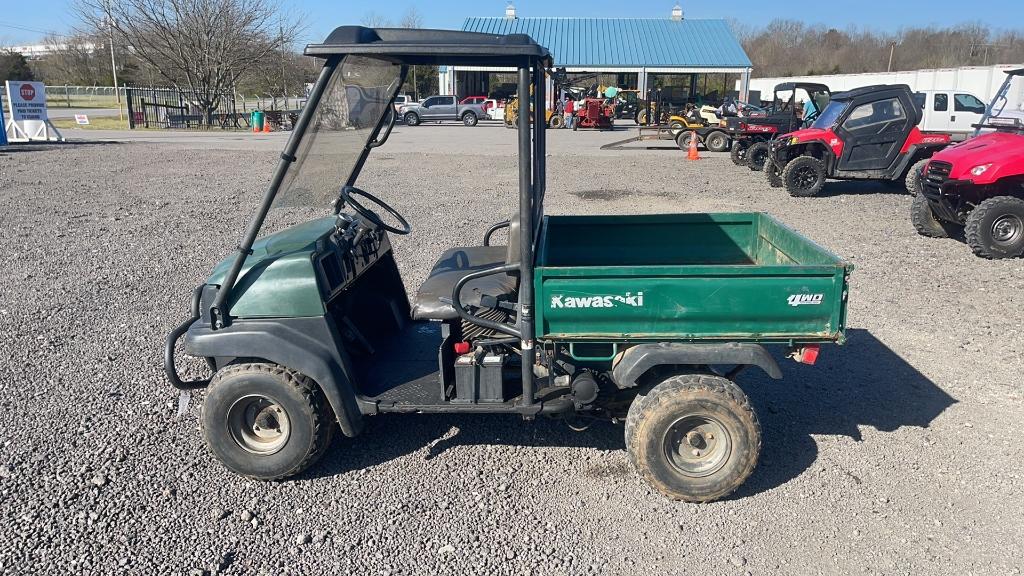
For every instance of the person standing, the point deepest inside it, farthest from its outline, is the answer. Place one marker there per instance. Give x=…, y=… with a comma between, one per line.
x=570, y=108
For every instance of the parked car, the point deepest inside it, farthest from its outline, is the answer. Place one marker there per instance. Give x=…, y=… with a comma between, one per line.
x=401, y=100
x=493, y=110
x=478, y=100
x=439, y=108
x=949, y=111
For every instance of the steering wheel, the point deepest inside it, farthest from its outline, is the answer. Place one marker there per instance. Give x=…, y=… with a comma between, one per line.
x=348, y=193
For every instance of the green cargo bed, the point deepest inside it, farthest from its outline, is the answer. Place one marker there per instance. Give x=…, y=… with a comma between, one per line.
x=741, y=277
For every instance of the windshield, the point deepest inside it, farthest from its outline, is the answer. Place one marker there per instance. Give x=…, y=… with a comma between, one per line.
x=357, y=96
x=1009, y=101
x=830, y=115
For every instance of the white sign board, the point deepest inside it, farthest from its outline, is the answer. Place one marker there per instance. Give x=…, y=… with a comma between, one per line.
x=28, y=113
x=82, y=119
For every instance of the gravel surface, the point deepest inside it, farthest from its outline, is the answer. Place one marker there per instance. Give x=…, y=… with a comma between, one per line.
x=899, y=453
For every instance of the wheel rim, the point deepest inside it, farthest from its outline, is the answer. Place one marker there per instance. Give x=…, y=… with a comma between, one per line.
x=697, y=446
x=759, y=156
x=805, y=177
x=258, y=424
x=1007, y=229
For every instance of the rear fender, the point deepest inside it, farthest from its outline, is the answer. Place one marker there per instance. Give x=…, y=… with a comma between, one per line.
x=307, y=345
x=637, y=361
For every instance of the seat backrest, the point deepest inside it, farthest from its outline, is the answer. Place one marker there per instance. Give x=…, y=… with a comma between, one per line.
x=512, y=252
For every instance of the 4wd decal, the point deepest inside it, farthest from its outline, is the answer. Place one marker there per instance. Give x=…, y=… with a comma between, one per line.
x=805, y=299
x=608, y=301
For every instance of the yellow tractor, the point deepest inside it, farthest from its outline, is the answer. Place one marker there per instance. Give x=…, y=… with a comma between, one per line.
x=512, y=115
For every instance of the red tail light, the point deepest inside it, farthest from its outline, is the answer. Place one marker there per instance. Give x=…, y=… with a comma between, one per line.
x=807, y=354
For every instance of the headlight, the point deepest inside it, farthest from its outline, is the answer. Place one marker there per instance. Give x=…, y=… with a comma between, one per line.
x=794, y=140
x=979, y=170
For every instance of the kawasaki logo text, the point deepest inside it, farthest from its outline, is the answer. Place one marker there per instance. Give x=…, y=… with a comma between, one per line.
x=610, y=301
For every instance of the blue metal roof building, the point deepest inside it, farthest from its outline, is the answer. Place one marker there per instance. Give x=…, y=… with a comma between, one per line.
x=596, y=43
x=633, y=49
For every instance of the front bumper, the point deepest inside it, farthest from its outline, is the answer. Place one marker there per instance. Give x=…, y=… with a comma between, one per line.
x=170, y=369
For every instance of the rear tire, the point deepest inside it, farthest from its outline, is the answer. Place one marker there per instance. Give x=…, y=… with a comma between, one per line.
x=693, y=437
x=470, y=119
x=757, y=154
x=412, y=119
x=923, y=218
x=264, y=421
x=739, y=152
x=995, y=228
x=683, y=140
x=804, y=176
x=716, y=142
x=913, y=179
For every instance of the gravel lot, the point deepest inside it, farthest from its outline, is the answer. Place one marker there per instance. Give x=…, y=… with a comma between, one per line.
x=899, y=453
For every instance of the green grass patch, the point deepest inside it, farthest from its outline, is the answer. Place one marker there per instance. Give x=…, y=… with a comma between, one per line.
x=97, y=123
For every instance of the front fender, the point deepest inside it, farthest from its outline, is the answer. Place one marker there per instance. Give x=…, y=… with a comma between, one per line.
x=636, y=361
x=308, y=345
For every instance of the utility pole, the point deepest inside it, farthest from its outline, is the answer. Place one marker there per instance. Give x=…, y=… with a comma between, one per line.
x=113, y=62
x=892, y=50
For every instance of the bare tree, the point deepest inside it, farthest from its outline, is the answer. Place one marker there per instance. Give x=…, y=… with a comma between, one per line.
x=412, y=18
x=792, y=48
x=201, y=46
x=374, y=20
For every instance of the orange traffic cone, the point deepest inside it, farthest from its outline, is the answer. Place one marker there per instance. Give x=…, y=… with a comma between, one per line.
x=693, y=154
x=266, y=127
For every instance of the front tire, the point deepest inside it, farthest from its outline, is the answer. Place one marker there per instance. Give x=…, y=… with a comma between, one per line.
x=757, y=155
x=264, y=421
x=923, y=218
x=693, y=437
x=804, y=176
x=412, y=119
x=773, y=174
x=913, y=179
x=995, y=228
x=716, y=142
x=739, y=153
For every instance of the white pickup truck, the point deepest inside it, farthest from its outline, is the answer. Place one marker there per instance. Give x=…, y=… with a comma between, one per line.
x=950, y=111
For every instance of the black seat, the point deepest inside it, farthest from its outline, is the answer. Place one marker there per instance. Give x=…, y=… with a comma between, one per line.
x=456, y=263
x=450, y=268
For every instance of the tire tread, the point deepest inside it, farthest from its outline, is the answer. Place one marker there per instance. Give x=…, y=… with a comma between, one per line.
x=647, y=402
x=323, y=425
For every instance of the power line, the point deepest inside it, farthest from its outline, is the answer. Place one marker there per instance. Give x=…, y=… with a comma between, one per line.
x=26, y=29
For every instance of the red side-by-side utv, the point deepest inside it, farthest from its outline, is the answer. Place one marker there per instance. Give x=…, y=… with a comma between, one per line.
x=868, y=133
x=978, y=185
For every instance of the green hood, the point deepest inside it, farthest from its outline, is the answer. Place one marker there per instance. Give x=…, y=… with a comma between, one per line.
x=278, y=279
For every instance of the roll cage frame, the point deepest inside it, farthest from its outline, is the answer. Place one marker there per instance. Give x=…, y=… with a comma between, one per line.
x=433, y=47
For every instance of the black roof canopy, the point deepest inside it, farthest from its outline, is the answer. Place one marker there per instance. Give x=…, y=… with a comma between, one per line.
x=808, y=86
x=863, y=90
x=431, y=47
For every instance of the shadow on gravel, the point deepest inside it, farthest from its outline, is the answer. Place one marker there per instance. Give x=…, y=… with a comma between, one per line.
x=863, y=383
x=392, y=436
x=862, y=187
x=44, y=146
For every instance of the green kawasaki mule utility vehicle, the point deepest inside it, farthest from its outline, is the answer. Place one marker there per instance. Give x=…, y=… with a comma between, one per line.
x=641, y=318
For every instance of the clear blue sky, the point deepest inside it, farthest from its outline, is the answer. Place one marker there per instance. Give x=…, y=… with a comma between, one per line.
x=25, y=22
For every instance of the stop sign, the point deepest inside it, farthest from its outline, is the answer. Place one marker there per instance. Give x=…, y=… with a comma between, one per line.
x=27, y=92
